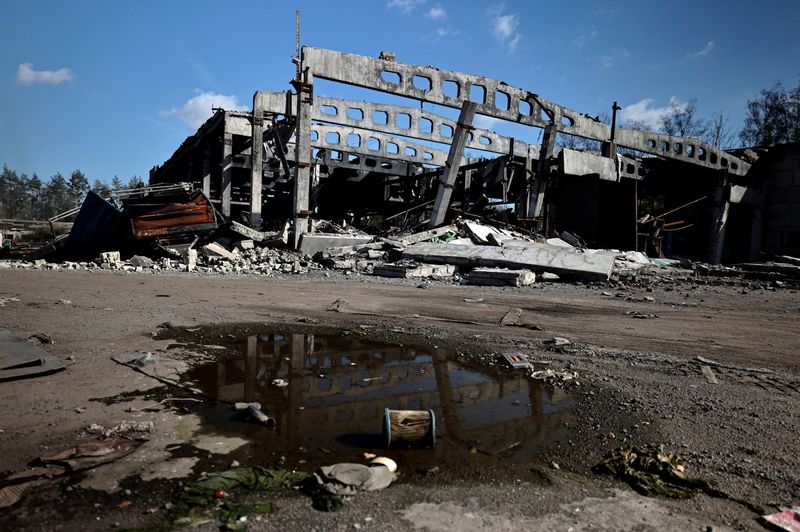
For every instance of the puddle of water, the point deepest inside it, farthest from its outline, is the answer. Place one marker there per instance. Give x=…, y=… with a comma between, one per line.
x=332, y=408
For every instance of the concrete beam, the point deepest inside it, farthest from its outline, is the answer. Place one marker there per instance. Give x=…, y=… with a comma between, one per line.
x=414, y=123
x=340, y=137
x=367, y=164
x=500, y=100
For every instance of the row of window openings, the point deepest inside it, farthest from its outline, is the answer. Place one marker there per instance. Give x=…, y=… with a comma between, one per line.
x=403, y=122
x=354, y=141
x=477, y=94
x=678, y=149
x=353, y=159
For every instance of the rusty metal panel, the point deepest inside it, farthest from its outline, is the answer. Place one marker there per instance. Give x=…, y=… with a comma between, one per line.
x=174, y=214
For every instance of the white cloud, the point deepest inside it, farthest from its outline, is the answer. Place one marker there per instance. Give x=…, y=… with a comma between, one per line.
x=26, y=75
x=707, y=49
x=436, y=12
x=485, y=122
x=405, y=6
x=198, y=108
x=581, y=40
x=643, y=111
x=504, y=27
x=606, y=60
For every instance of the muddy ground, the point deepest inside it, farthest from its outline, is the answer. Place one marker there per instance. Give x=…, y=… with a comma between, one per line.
x=634, y=347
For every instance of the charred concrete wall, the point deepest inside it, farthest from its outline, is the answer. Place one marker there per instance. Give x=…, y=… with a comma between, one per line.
x=782, y=206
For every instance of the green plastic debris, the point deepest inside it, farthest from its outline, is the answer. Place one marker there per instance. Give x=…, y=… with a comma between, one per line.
x=446, y=237
x=250, y=479
x=218, y=497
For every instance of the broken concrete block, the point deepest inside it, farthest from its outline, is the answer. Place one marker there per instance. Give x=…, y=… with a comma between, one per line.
x=216, y=250
x=190, y=259
x=501, y=277
x=244, y=244
x=345, y=264
x=39, y=262
x=139, y=261
x=111, y=257
x=408, y=271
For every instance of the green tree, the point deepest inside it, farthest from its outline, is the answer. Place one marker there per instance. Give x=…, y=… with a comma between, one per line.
x=7, y=179
x=101, y=189
x=136, y=182
x=35, y=210
x=116, y=183
x=57, y=196
x=77, y=187
x=773, y=117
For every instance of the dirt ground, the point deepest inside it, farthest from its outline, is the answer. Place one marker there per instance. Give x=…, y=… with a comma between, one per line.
x=639, y=382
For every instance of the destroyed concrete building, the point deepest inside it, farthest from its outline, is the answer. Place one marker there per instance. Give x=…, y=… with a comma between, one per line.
x=386, y=166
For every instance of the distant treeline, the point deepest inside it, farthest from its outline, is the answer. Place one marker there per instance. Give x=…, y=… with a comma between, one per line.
x=30, y=198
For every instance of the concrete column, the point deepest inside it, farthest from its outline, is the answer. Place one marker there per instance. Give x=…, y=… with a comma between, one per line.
x=453, y=163
x=190, y=167
x=523, y=202
x=302, y=157
x=227, y=161
x=256, y=160
x=467, y=185
x=757, y=227
x=536, y=208
x=206, y=169
x=719, y=220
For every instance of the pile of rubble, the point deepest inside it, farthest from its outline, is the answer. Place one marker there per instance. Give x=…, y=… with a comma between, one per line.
x=465, y=252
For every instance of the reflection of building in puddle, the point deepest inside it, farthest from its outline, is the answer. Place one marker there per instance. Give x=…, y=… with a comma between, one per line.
x=339, y=385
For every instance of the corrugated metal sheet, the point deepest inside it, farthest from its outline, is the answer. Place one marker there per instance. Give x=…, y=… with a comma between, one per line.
x=96, y=227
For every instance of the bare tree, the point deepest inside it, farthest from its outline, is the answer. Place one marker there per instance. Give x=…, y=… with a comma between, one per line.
x=681, y=120
x=719, y=132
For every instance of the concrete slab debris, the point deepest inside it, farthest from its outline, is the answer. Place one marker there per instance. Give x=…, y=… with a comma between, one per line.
x=215, y=250
x=422, y=236
x=252, y=234
x=414, y=270
x=311, y=244
x=528, y=255
x=501, y=277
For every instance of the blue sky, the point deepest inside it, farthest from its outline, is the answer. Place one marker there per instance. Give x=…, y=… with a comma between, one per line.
x=114, y=87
